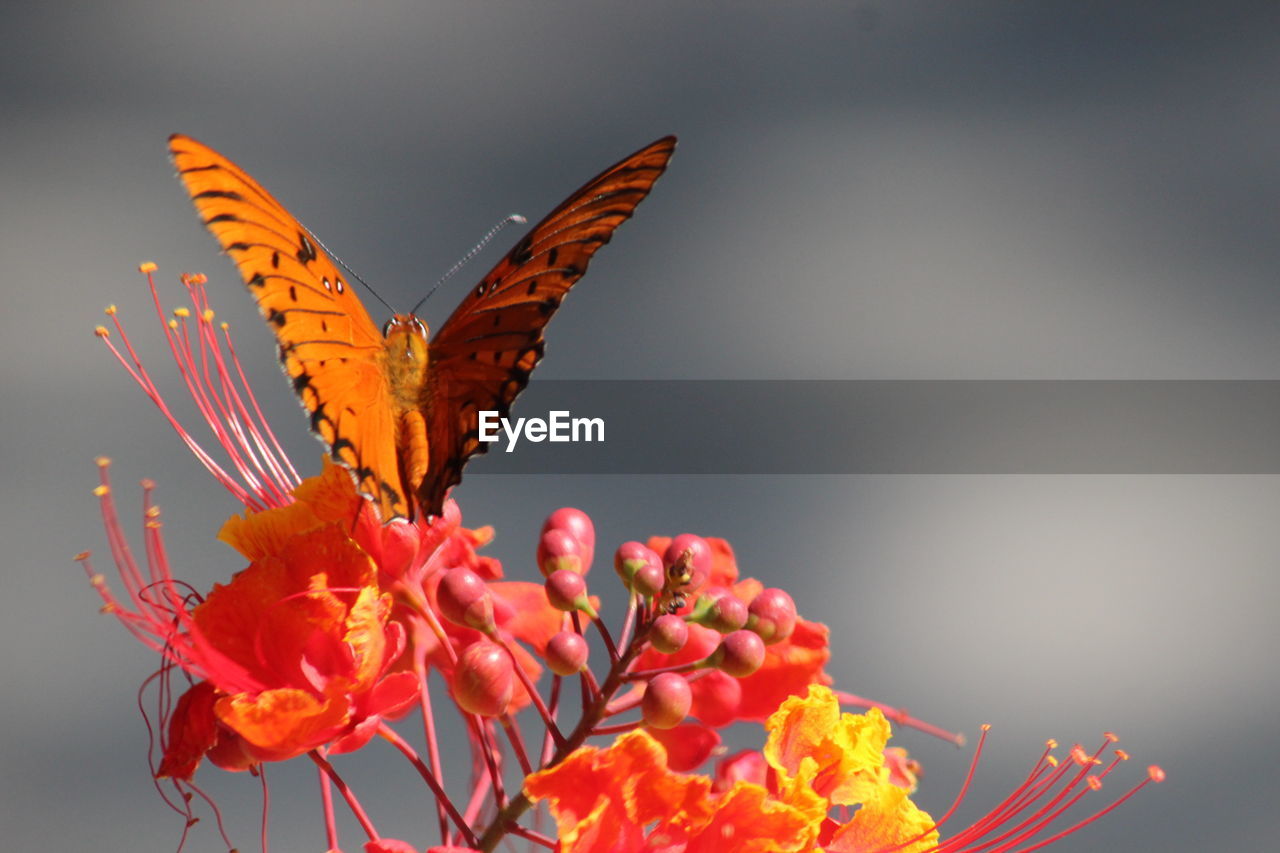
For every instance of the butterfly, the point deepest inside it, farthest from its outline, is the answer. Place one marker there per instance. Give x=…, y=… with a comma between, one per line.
x=401, y=413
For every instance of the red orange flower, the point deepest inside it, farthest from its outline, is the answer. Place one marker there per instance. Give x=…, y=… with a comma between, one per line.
x=292, y=654
x=818, y=759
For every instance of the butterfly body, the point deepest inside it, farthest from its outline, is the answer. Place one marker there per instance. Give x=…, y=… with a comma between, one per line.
x=396, y=408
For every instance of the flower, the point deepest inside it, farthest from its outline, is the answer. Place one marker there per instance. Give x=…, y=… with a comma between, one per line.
x=293, y=654
x=819, y=760
x=332, y=627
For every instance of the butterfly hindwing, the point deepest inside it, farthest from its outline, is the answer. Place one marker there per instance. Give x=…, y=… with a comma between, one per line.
x=329, y=346
x=481, y=357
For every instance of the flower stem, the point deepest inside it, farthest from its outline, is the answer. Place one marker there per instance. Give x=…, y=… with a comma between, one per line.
x=389, y=734
x=592, y=715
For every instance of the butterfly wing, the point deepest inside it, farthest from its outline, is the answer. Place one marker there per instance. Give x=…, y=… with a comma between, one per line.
x=481, y=357
x=329, y=346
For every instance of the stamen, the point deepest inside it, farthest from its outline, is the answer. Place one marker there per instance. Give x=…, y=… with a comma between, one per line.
x=263, y=476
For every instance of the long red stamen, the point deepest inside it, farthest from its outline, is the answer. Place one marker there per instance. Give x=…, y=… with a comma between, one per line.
x=216, y=383
x=1047, y=775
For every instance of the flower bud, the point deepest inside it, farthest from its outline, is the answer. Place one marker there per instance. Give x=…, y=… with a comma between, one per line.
x=669, y=634
x=667, y=699
x=400, y=543
x=631, y=557
x=739, y=654
x=722, y=613
x=772, y=615
x=465, y=600
x=559, y=551
x=697, y=571
x=719, y=698
x=577, y=524
x=649, y=581
x=567, y=653
x=567, y=591
x=485, y=679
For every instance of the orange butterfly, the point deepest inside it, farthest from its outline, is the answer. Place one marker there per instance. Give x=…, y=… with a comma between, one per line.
x=400, y=413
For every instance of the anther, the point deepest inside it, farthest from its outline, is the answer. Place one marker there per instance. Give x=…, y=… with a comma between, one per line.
x=147, y=266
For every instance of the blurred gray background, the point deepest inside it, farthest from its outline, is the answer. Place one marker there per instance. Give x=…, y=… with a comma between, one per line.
x=863, y=190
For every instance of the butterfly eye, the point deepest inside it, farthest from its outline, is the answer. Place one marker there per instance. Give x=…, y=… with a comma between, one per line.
x=387, y=326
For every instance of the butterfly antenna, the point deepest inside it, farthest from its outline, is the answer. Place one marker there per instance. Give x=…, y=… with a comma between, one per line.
x=352, y=272
x=513, y=219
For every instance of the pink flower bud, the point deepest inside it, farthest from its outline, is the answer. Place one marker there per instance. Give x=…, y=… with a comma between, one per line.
x=772, y=615
x=465, y=600
x=667, y=699
x=719, y=698
x=567, y=653
x=567, y=591
x=577, y=524
x=649, y=581
x=669, y=634
x=699, y=567
x=722, y=613
x=559, y=551
x=739, y=654
x=631, y=557
x=400, y=542
x=485, y=680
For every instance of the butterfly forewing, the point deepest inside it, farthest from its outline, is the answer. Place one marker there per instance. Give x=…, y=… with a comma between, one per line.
x=329, y=346
x=481, y=357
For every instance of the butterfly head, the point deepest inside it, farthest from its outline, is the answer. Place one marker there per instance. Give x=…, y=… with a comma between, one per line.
x=406, y=337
